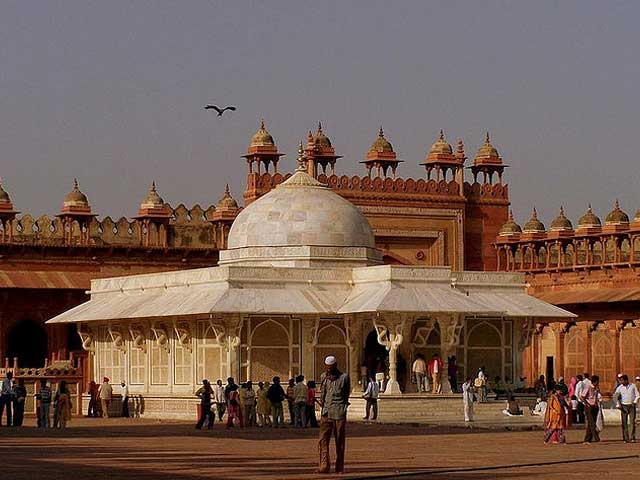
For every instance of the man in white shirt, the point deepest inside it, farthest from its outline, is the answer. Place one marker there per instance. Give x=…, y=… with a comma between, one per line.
x=124, y=393
x=627, y=397
x=220, y=399
x=419, y=370
x=578, y=393
x=105, y=392
x=371, y=396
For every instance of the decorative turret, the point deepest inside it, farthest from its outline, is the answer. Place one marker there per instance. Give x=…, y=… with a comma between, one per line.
x=7, y=214
x=534, y=225
x=561, y=223
x=381, y=157
x=154, y=215
x=616, y=220
x=227, y=210
x=320, y=153
x=589, y=222
x=511, y=228
x=76, y=208
x=441, y=160
x=488, y=162
x=262, y=151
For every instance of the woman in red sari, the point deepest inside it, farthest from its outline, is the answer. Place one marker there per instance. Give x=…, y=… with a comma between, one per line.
x=234, y=413
x=555, y=419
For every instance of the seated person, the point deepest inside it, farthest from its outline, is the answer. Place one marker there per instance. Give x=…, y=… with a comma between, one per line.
x=513, y=409
x=520, y=384
x=539, y=408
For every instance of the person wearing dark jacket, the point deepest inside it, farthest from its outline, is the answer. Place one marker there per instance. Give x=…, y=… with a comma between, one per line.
x=204, y=393
x=19, y=397
x=276, y=396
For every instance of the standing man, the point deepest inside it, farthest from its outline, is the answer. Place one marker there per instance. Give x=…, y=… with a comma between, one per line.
x=105, y=392
x=300, y=401
x=6, y=398
x=435, y=370
x=220, y=399
x=124, y=392
x=334, y=400
x=276, y=396
x=591, y=398
x=291, y=401
x=578, y=394
x=627, y=396
x=19, y=397
x=371, y=396
x=249, y=412
x=419, y=370
x=468, y=395
x=44, y=399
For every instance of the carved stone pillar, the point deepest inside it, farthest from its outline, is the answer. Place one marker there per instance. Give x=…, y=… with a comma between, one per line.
x=310, y=339
x=390, y=330
x=227, y=332
x=524, y=345
x=450, y=328
x=353, y=326
x=560, y=330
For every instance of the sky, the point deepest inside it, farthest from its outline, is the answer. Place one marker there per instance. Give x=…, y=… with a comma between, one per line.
x=112, y=93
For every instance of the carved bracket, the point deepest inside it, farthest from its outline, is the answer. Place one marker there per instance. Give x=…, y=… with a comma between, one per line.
x=183, y=334
x=389, y=333
x=138, y=339
x=161, y=336
x=529, y=328
x=421, y=335
x=311, y=326
x=593, y=326
x=227, y=335
x=624, y=324
x=117, y=339
x=450, y=329
x=87, y=339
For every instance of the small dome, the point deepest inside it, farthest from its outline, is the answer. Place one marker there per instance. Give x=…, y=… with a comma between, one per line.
x=511, y=227
x=227, y=202
x=75, y=197
x=4, y=196
x=320, y=139
x=534, y=225
x=441, y=147
x=636, y=217
x=487, y=153
x=153, y=199
x=381, y=144
x=589, y=219
x=262, y=138
x=616, y=216
x=561, y=222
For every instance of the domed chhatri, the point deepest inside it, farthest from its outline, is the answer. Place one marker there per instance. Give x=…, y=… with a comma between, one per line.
x=511, y=227
x=534, y=225
x=262, y=138
x=152, y=199
x=227, y=202
x=589, y=220
x=616, y=216
x=75, y=198
x=301, y=222
x=320, y=139
x=487, y=154
x=4, y=196
x=441, y=147
x=381, y=144
x=561, y=223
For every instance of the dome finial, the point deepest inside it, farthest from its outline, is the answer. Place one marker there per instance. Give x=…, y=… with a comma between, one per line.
x=535, y=213
x=511, y=215
x=442, y=135
x=301, y=167
x=153, y=186
x=460, y=148
x=262, y=127
x=487, y=140
x=381, y=132
x=319, y=127
x=226, y=190
x=75, y=184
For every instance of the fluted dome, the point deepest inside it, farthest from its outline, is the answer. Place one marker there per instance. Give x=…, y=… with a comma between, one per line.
x=487, y=153
x=320, y=139
x=381, y=144
x=153, y=198
x=510, y=228
x=616, y=216
x=561, y=222
x=441, y=147
x=534, y=225
x=301, y=221
x=589, y=219
x=227, y=202
x=262, y=138
x=75, y=197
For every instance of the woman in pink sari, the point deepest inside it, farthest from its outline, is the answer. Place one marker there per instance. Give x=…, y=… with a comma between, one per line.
x=233, y=407
x=573, y=381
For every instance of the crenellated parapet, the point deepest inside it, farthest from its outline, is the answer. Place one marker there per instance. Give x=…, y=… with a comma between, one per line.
x=486, y=193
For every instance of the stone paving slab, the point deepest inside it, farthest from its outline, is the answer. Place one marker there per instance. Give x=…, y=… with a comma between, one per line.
x=95, y=449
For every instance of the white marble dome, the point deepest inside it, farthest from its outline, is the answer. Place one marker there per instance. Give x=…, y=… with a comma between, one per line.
x=300, y=212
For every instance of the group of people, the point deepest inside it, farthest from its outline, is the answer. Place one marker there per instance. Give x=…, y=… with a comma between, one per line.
x=428, y=375
x=101, y=397
x=13, y=397
x=262, y=407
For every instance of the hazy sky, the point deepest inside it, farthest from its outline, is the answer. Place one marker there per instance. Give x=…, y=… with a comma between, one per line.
x=112, y=92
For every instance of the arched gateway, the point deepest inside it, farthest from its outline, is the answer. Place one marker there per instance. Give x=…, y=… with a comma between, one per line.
x=301, y=278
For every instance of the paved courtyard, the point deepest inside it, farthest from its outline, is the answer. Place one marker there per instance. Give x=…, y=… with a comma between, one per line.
x=147, y=449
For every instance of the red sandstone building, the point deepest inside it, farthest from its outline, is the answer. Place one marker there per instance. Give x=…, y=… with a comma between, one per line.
x=46, y=263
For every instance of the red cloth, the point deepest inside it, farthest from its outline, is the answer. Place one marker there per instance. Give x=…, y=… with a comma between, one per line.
x=311, y=397
x=432, y=362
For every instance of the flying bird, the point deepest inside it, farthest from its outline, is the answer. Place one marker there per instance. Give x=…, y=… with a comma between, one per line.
x=220, y=110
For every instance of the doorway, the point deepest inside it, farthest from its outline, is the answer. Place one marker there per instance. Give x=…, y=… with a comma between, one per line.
x=27, y=340
x=549, y=373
